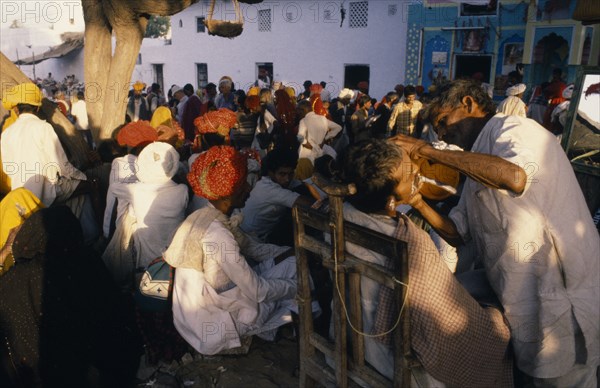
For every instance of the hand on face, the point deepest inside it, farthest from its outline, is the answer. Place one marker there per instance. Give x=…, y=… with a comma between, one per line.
x=410, y=144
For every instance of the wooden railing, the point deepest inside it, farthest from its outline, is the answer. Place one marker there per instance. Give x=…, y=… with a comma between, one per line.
x=347, y=270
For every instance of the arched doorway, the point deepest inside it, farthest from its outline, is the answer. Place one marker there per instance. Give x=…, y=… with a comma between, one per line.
x=549, y=53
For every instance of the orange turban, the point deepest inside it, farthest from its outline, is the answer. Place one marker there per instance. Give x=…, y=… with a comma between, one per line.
x=252, y=102
x=219, y=172
x=316, y=89
x=137, y=133
x=317, y=105
x=219, y=121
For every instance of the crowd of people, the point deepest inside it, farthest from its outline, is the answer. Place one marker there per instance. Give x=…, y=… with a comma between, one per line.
x=184, y=237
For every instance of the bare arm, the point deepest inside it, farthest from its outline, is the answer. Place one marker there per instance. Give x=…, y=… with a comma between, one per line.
x=490, y=170
x=444, y=226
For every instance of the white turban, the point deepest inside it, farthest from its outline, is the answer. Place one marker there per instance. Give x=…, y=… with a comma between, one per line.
x=346, y=93
x=157, y=163
x=568, y=92
x=516, y=90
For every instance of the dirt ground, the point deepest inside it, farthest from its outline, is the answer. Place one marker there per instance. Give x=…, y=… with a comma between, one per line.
x=267, y=364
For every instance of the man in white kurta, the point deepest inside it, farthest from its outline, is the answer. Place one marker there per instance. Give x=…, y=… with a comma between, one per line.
x=532, y=229
x=217, y=297
x=33, y=157
x=513, y=104
x=540, y=248
x=313, y=131
x=156, y=202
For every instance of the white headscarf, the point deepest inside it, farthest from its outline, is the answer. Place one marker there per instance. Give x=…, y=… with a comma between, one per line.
x=568, y=92
x=516, y=90
x=157, y=163
x=346, y=93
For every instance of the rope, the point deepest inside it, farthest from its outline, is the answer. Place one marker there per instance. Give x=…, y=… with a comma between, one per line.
x=337, y=287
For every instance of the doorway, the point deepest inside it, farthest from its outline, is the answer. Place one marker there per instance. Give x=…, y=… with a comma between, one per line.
x=158, y=75
x=353, y=74
x=467, y=65
x=264, y=74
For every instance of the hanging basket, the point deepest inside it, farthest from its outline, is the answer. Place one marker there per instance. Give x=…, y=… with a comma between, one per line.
x=587, y=11
x=225, y=28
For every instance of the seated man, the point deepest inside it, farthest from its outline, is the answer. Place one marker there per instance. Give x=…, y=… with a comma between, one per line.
x=217, y=297
x=272, y=197
x=33, y=157
x=157, y=205
x=446, y=323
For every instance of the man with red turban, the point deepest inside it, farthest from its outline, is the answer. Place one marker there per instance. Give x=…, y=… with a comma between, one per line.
x=218, y=299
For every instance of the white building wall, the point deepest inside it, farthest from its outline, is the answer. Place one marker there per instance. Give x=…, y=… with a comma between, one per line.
x=71, y=63
x=305, y=48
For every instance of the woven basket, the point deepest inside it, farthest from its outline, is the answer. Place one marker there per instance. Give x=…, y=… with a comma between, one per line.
x=225, y=28
x=587, y=11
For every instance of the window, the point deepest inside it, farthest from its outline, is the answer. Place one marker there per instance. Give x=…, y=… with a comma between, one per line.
x=489, y=9
x=138, y=61
x=264, y=20
x=158, y=74
x=359, y=14
x=392, y=9
x=201, y=74
x=200, y=27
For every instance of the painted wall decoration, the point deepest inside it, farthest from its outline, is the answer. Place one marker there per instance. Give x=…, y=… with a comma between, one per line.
x=473, y=40
x=437, y=47
x=513, y=54
x=413, y=54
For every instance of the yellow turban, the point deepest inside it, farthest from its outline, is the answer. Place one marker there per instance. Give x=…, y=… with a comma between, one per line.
x=254, y=91
x=26, y=93
x=162, y=116
x=139, y=86
x=15, y=208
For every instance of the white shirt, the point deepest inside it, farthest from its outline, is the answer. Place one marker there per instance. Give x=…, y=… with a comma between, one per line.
x=211, y=321
x=122, y=170
x=79, y=111
x=314, y=129
x=33, y=157
x=181, y=108
x=512, y=105
x=159, y=210
x=540, y=249
x=267, y=202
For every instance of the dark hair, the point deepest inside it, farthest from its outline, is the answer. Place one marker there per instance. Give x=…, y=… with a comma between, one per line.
x=307, y=84
x=409, y=90
x=210, y=86
x=325, y=165
x=450, y=95
x=27, y=108
x=155, y=87
x=188, y=88
x=110, y=149
x=323, y=84
x=210, y=140
x=304, y=105
x=80, y=95
x=362, y=100
x=557, y=71
x=391, y=96
x=281, y=157
x=370, y=165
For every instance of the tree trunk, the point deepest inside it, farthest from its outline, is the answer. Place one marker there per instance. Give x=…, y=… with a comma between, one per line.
x=72, y=141
x=108, y=75
x=97, y=57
